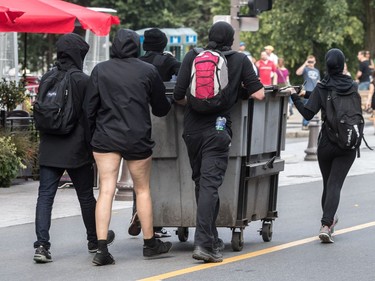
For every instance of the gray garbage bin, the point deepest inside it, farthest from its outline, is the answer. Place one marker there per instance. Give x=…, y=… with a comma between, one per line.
x=249, y=191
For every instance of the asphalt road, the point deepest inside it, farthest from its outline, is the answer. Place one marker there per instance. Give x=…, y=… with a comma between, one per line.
x=294, y=254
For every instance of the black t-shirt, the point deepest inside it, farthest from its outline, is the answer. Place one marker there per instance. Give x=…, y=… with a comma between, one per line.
x=240, y=72
x=364, y=67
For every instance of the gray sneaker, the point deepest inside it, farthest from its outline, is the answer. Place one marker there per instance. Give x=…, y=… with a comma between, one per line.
x=325, y=234
x=42, y=255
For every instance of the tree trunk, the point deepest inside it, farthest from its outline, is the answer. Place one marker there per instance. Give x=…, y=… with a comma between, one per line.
x=369, y=26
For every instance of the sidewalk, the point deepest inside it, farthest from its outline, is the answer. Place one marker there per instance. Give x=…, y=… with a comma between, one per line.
x=17, y=203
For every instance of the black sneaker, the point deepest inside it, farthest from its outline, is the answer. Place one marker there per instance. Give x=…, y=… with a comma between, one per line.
x=93, y=246
x=135, y=225
x=103, y=259
x=159, y=248
x=207, y=255
x=42, y=255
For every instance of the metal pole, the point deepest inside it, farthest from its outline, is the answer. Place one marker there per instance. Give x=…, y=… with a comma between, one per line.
x=234, y=10
x=311, y=150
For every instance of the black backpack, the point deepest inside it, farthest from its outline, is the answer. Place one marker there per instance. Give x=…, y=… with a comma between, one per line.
x=344, y=119
x=54, y=109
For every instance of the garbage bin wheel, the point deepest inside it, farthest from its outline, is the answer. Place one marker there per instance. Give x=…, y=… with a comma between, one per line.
x=237, y=240
x=267, y=231
x=183, y=233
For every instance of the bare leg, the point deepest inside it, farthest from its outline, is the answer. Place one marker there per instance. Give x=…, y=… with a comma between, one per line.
x=108, y=167
x=140, y=171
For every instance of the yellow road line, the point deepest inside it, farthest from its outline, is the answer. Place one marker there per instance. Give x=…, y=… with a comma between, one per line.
x=251, y=254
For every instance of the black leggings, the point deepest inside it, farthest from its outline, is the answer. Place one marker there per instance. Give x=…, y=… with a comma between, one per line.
x=334, y=164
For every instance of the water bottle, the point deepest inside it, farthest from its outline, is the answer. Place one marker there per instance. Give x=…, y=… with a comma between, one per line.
x=220, y=123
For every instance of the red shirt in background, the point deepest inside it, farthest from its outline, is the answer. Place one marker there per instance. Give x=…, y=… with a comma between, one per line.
x=265, y=68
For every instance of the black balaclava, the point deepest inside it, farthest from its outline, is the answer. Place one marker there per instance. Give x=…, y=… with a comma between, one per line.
x=220, y=36
x=335, y=60
x=155, y=40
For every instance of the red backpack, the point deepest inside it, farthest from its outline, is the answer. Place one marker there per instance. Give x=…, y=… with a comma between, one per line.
x=208, y=81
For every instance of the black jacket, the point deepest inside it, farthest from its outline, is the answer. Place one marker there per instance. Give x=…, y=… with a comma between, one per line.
x=118, y=98
x=166, y=64
x=72, y=150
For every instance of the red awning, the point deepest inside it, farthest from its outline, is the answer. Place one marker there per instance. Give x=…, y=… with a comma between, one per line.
x=55, y=16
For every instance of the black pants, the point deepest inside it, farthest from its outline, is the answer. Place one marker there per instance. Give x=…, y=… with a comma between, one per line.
x=334, y=164
x=208, y=153
x=82, y=179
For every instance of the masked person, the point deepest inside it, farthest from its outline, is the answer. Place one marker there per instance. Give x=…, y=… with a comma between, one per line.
x=119, y=94
x=69, y=152
x=208, y=149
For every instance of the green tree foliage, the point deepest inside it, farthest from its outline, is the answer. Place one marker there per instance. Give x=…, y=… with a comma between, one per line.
x=299, y=28
x=295, y=28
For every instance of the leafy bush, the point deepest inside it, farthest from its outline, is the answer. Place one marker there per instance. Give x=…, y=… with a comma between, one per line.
x=10, y=163
x=12, y=93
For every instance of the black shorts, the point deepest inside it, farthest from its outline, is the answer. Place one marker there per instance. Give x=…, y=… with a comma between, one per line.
x=126, y=155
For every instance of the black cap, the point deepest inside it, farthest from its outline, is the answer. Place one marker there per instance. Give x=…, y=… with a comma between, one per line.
x=155, y=40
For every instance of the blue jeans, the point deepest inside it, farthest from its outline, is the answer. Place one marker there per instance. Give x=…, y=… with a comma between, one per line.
x=82, y=179
x=364, y=86
x=304, y=121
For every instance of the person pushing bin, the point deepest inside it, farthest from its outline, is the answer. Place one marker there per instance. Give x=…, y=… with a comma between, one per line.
x=207, y=144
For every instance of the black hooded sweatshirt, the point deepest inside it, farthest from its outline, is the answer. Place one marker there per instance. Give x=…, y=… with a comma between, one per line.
x=118, y=98
x=71, y=150
x=334, y=79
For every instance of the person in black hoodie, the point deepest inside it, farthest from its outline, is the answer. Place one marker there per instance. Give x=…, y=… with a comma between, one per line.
x=117, y=109
x=154, y=43
x=208, y=149
x=334, y=162
x=70, y=152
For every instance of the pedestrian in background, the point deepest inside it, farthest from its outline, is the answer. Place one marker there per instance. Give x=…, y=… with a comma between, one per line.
x=311, y=76
x=119, y=94
x=154, y=44
x=266, y=70
x=283, y=80
x=70, y=152
x=334, y=162
x=363, y=73
x=208, y=148
x=371, y=99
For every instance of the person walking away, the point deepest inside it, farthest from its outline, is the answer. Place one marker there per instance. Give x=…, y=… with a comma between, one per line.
x=116, y=106
x=371, y=98
x=207, y=147
x=283, y=80
x=154, y=44
x=69, y=152
x=334, y=162
x=311, y=76
x=266, y=70
x=363, y=74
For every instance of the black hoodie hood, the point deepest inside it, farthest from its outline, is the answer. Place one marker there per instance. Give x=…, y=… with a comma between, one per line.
x=335, y=60
x=126, y=44
x=71, y=50
x=221, y=36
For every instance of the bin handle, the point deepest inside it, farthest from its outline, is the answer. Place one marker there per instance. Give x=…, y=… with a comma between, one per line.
x=269, y=163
